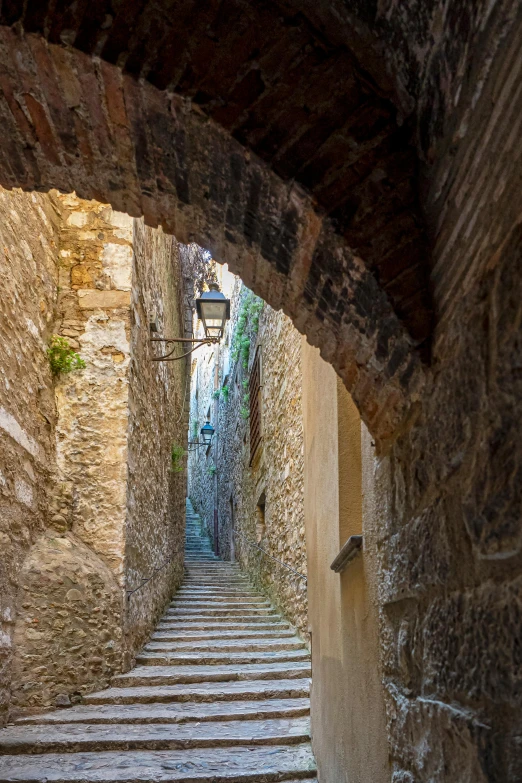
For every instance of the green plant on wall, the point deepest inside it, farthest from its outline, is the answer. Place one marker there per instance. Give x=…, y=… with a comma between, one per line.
x=61, y=356
x=246, y=327
x=216, y=394
x=244, y=411
x=211, y=470
x=177, y=453
x=225, y=392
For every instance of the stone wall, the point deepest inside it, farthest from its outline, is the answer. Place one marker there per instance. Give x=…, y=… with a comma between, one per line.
x=29, y=227
x=158, y=419
x=274, y=478
x=76, y=649
x=101, y=510
x=450, y=546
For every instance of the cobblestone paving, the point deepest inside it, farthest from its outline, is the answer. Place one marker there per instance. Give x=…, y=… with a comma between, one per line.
x=219, y=694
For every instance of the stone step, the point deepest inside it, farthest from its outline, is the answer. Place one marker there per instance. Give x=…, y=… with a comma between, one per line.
x=195, y=617
x=221, y=611
x=196, y=635
x=198, y=549
x=205, y=625
x=184, y=712
x=226, y=645
x=215, y=765
x=159, y=658
x=236, y=597
x=215, y=580
x=215, y=568
x=211, y=583
x=219, y=602
x=203, y=692
x=71, y=738
x=216, y=590
x=165, y=675
x=200, y=558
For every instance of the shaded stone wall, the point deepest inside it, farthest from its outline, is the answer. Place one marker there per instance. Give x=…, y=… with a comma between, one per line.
x=274, y=478
x=450, y=546
x=158, y=417
x=102, y=511
x=29, y=227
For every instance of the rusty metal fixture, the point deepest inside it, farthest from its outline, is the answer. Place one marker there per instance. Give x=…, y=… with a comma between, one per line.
x=168, y=356
x=350, y=549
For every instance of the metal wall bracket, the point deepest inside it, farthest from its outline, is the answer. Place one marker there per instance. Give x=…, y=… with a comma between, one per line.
x=350, y=550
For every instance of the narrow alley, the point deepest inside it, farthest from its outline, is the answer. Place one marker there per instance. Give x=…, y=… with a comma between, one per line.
x=260, y=391
x=222, y=688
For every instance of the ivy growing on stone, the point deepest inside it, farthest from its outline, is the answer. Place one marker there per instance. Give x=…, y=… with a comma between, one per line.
x=176, y=456
x=244, y=411
x=225, y=392
x=62, y=358
x=246, y=327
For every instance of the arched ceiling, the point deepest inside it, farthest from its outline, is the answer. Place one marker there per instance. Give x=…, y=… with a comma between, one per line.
x=307, y=88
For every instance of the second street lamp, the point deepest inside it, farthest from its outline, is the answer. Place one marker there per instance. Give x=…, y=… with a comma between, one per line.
x=207, y=431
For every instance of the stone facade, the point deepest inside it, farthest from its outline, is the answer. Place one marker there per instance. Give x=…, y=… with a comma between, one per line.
x=259, y=500
x=102, y=511
x=158, y=420
x=29, y=229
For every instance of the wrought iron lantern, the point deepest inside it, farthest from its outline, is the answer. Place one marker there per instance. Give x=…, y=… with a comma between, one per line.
x=207, y=431
x=213, y=308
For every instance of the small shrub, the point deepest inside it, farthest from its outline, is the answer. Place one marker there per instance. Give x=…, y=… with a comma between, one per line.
x=244, y=411
x=225, y=392
x=61, y=356
x=176, y=455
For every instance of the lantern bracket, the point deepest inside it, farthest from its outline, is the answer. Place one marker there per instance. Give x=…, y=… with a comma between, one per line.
x=168, y=356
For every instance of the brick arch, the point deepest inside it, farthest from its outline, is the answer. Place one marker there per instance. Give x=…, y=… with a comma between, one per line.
x=73, y=122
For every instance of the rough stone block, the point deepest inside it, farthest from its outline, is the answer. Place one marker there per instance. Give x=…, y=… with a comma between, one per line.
x=103, y=300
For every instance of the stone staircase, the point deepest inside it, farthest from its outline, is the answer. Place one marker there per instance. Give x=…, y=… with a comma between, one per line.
x=220, y=694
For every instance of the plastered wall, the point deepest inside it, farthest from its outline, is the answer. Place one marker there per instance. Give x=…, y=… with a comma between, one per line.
x=348, y=719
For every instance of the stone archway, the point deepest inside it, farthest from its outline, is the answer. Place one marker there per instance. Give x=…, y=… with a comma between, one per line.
x=80, y=125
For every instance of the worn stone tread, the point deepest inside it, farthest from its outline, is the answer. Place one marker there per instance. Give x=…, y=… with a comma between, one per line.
x=173, y=658
x=203, y=691
x=227, y=645
x=220, y=611
x=219, y=603
x=206, y=617
x=163, y=675
x=222, y=626
x=215, y=635
x=70, y=738
x=219, y=765
x=183, y=712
